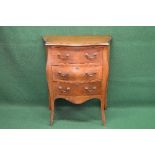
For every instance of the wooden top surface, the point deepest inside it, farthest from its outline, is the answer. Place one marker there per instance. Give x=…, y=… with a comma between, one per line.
x=77, y=40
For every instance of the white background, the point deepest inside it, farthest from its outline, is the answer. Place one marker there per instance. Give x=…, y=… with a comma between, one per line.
x=77, y=142
x=77, y=13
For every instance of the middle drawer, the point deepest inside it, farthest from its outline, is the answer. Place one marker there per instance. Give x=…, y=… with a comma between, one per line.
x=77, y=73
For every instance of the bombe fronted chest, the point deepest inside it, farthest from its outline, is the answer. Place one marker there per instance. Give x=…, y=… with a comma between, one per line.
x=77, y=69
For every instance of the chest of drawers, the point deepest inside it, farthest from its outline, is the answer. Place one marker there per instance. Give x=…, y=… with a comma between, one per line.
x=77, y=69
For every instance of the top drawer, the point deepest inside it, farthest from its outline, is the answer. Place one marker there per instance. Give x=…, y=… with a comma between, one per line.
x=75, y=55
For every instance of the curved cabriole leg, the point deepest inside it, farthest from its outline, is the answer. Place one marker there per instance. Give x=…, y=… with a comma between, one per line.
x=49, y=102
x=52, y=113
x=102, y=113
x=105, y=97
x=105, y=103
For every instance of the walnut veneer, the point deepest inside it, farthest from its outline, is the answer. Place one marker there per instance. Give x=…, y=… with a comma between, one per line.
x=77, y=69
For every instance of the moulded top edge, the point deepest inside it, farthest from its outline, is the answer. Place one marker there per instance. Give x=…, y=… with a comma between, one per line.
x=78, y=40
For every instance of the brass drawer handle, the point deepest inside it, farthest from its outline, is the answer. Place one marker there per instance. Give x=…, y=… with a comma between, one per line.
x=90, y=74
x=90, y=89
x=63, y=75
x=91, y=56
x=64, y=90
x=63, y=57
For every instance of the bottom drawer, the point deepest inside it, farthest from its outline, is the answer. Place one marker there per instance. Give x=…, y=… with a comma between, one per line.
x=77, y=89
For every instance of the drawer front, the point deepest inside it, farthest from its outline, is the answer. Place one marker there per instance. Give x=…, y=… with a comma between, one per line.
x=78, y=89
x=77, y=73
x=75, y=55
